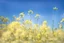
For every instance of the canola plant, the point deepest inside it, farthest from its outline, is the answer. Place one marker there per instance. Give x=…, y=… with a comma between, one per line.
x=27, y=32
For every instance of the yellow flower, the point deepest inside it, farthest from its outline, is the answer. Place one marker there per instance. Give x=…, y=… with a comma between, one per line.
x=6, y=35
x=55, y=8
x=59, y=31
x=44, y=26
x=45, y=22
x=55, y=34
x=30, y=12
x=38, y=36
x=37, y=16
x=22, y=14
x=36, y=26
x=28, y=22
x=18, y=19
x=23, y=34
x=62, y=20
x=14, y=25
x=60, y=26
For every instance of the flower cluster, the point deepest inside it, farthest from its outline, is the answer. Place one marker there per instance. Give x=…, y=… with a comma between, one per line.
x=28, y=32
x=18, y=33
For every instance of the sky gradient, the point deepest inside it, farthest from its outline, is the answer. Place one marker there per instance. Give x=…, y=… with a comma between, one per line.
x=8, y=8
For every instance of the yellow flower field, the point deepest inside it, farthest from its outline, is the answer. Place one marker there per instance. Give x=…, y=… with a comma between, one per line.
x=27, y=32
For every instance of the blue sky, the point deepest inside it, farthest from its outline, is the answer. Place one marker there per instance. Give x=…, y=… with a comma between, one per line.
x=8, y=8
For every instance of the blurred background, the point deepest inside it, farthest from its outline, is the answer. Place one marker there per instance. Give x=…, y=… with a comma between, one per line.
x=8, y=8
